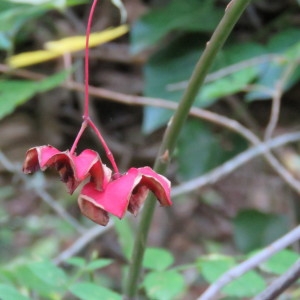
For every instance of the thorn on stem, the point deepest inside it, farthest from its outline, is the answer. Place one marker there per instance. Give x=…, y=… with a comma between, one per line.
x=165, y=157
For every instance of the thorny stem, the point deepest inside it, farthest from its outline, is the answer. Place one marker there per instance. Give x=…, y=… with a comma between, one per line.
x=232, y=13
x=86, y=116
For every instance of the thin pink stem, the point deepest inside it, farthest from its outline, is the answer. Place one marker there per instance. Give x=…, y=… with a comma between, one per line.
x=79, y=134
x=86, y=117
x=86, y=62
x=106, y=149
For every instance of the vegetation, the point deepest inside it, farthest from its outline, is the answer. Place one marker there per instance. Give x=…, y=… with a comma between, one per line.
x=230, y=82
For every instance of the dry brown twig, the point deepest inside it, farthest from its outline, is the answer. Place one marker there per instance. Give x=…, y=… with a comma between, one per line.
x=208, y=178
x=281, y=284
x=42, y=193
x=90, y=235
x=234, y=163
x=276, y=100
x=212, y=292
x=196, y=112
x=228, y=70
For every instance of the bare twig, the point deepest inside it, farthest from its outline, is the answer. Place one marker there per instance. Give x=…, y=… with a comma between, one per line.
x=240, y=110
x=40, y=191
x=210, y=177
x=212, y=292
x=229, y=166
x=281, y=284
x=196, y=112
x=276, y=100
x=81, y=242
x=59, y=209
x=87, y=235
x=227, y=70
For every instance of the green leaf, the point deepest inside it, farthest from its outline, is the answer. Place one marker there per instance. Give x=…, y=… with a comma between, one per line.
x=76, y=262
x=280, y=262
x=191, y=164
x=125, y=236
x=247, y=285
x=168, y=71
x=235, y=79
x=98, y=264
x=50, y=4
x=40, y=2
x=5, y=276
x=76, y=2
x=213, y=266
x=228, y=85
x=157, y=259
x=91, y=291
x=43, y=277
x=52, y=81
x=48, y=273
x=5, y=42
x=212, y=154
x=16, y=92
x=177, y=15
x=283, y=44
x=163, y=285
x=13, y=17
x=172, y=64
x=45, y=248
x=8, y=292
x=254, y=229
x=284, y=39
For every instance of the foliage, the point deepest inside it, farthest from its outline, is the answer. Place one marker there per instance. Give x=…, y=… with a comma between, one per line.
x=250, y=235
x=54, y=49
x=239, y=67
x=52, y=282
x=177, y=15
x=15, y=14
x=190, y=164
x=161, y=281
x=249, y=67
x=247, y=285
x=15, y=92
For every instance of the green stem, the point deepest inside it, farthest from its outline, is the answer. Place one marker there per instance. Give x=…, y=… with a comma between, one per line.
x=232, y=13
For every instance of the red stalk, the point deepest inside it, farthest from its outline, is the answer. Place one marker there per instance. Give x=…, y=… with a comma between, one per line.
x=79, y=134
x=86, y=116
x=104, y=145
x=86, y=61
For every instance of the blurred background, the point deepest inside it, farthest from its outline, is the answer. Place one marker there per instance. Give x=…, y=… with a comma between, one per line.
x=252, y=90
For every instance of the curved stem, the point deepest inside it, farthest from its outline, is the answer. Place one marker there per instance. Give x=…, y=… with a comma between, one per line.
x=86, y=61
x=106, y=149
x=86, y=116
x=231, y=16
x=79, y=134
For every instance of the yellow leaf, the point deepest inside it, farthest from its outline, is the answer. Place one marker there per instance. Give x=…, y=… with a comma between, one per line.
x=30, y=58
x=76, y=43
x=66, y=45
